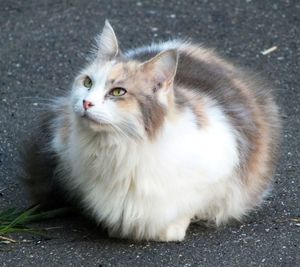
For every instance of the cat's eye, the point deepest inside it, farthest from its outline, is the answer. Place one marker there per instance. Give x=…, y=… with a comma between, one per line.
x=87, y=82
x=118, y=91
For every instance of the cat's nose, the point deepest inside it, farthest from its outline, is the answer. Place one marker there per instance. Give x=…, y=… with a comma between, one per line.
x=87, y=104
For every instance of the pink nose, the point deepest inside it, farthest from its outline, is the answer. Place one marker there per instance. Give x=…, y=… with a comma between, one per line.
x=87, y=104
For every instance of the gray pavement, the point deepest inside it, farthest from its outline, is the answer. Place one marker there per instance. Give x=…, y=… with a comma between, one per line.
x=42, y=46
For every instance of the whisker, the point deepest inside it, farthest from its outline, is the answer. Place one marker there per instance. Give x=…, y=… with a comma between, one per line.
x=130, y=129
x=35, y=97
x=116, y=127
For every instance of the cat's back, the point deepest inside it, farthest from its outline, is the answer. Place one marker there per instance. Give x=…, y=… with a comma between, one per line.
x=202, y=70
x=240, y=94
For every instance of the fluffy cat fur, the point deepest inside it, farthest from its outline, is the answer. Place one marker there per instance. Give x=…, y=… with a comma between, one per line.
x=193, y=137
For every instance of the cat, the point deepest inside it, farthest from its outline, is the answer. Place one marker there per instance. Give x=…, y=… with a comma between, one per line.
x=153, y=138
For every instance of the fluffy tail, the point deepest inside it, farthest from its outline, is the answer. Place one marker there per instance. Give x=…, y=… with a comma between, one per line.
x=38, y=168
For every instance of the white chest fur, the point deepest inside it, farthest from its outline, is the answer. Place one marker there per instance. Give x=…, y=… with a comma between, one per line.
x=139, y=187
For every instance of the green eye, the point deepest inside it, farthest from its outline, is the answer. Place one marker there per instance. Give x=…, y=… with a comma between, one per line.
x=87, y=82
x=118, y=91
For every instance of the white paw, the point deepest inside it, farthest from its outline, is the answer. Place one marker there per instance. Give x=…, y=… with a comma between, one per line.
x=175, y=231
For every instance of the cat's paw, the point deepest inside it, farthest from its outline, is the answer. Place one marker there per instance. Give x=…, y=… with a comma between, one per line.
x=175, y=231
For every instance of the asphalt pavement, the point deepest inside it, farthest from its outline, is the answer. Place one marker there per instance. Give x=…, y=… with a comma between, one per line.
x=42, y=46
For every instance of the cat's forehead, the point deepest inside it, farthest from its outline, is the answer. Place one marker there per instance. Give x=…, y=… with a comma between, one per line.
x=121, y=71
x=113, y=72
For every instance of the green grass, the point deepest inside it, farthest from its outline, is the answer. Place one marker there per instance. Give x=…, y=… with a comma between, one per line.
x=15, y=221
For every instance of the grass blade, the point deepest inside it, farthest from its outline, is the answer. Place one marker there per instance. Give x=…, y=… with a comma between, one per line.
x=12, y=220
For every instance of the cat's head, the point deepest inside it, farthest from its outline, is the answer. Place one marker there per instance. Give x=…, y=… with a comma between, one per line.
x=117, y=94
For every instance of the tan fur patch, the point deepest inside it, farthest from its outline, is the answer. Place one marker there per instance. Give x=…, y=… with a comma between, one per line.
x=140, y=98
x=260, y=164
x=207, y=55
x=197, y=103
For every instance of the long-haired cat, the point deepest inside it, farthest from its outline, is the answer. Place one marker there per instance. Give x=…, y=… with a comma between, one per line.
x=152, y=138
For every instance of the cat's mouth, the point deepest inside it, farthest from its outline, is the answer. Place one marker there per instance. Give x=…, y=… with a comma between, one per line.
x=91, y=119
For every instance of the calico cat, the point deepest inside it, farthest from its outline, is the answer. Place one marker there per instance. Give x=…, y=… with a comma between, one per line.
x=150, y=139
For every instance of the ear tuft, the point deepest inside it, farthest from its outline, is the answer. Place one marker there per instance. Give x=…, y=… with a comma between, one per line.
x=163, y=66
x=107, y=43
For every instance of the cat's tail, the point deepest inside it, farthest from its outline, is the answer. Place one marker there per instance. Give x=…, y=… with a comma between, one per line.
x=38, y=165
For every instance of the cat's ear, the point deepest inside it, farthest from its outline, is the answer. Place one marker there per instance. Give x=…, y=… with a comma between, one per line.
x=107, y=43
x=162, y=68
